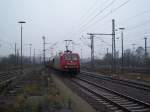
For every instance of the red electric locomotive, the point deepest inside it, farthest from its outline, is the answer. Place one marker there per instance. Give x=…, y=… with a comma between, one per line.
x=67, y=62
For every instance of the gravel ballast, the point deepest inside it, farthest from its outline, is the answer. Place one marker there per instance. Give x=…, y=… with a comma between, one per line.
x=76, y=102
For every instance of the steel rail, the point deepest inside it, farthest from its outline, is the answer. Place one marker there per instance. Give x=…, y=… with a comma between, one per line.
x=110, y=100
x=119, y=81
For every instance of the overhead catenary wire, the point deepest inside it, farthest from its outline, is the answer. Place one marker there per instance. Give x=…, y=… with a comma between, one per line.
x=139, y=25
x=112, y=11
x=102, y=18
x=136, y=15
x=105, y=42
x=89, y=11
x=100, y=12
x=132, y=17
x=106, y=15
x=84, y=16
x=93, y=15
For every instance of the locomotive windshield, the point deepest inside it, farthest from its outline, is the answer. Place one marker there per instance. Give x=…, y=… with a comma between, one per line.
x=71, y=57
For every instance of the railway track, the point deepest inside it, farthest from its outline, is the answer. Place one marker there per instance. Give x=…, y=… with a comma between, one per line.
x=7, y=77
x=113, y=100
x=129, y=83
x=4, y=76
x=136, y=90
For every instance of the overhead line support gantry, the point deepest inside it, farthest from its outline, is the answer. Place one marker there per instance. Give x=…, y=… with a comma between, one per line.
x=113, y=46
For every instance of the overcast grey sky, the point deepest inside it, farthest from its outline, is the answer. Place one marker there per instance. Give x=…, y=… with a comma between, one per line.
x=58, y=20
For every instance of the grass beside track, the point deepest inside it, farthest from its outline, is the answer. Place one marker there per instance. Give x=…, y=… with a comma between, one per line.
x=35, y=92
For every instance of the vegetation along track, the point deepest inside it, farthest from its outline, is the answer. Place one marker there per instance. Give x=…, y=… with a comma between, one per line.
x=113, y=100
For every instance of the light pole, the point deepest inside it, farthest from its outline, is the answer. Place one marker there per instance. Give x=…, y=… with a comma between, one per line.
x=122, y=59
x=30, y=45
x=145, y=47
x=21, y=22
x=44, y=49
x=33, y=56
x=15, y=53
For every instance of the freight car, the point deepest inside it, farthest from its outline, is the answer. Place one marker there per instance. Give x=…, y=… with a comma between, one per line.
x=67, y=62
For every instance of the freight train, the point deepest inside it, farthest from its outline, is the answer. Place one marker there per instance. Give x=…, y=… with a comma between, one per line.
x=67, y=62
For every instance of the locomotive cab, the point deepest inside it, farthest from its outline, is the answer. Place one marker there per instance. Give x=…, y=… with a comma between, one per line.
x=67, y=62
x=70, y=62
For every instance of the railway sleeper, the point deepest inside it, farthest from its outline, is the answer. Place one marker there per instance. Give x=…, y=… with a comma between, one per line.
x=114, y=108
x=102, y=103
x=115, y=97
x=111, y=106
x=101, y=94
x=98, y=99
x=135, y=107
x=105, y=106
x=122, y=81
x=110, y=96
x=122, y=102
x=2, y=78
x=12, y=93
x=119, y=99
x=118, y=111
x=142, y=110
x=132, y=106
x=106, y=94
x=106, y=103
x=128, y=104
